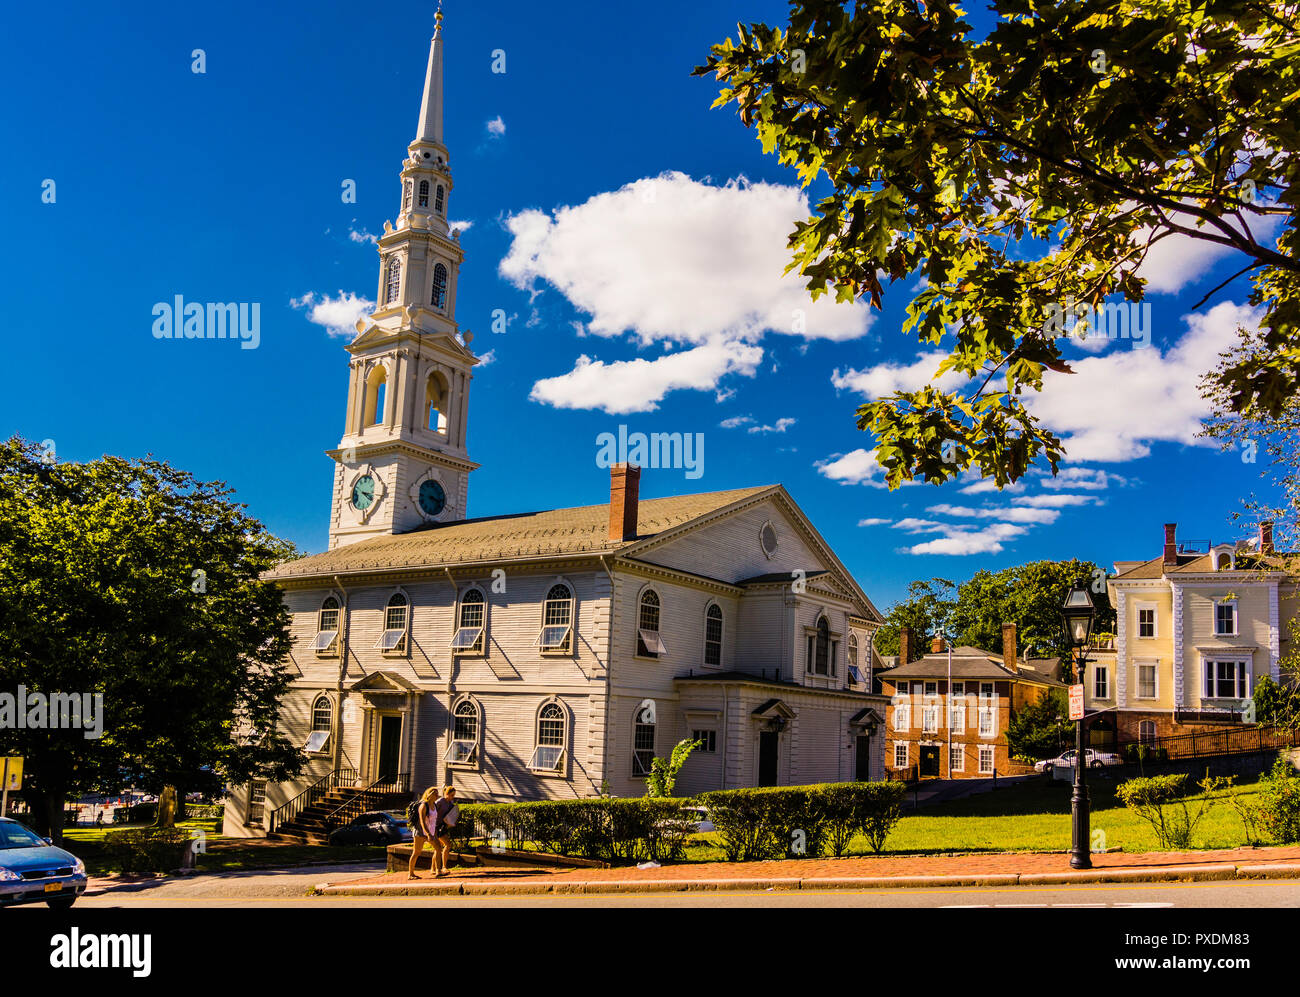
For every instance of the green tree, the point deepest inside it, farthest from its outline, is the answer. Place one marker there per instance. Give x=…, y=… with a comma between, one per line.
x=1042, y=729
x=1026, y=175
x=925, y=611
x=1275, y=704
x=137, y=582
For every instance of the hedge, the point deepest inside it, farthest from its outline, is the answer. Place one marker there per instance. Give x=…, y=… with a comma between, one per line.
x=779, y=822
x=612, y=829
x=148, y=849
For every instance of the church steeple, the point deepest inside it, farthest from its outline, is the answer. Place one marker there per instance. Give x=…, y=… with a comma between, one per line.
x=402, y=462
x=430, y=126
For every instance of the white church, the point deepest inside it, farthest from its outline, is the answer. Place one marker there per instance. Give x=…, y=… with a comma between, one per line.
x=553, y=653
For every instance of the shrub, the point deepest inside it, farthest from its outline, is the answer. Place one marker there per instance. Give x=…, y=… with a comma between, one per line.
x=880, y=805
x=1139, y=753
x=609, y=828
x=1161, y=800
x=147, y=849
x=1278, y=808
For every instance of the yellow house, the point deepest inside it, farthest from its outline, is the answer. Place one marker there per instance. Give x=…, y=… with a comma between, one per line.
x=1196, y=628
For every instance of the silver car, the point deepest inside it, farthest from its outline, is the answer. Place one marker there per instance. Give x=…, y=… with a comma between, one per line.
x=32, y=870
x=1093, y=759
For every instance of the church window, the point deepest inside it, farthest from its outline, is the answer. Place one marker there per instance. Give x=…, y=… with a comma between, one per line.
x=327, y=626
x=393, y=637
x=648, y=643
x=424, y=193
x=557, y=620
x=439, y=286
x=393, y=281
x=469, y=627
x=713, y=636
x=437, y=199
x=548, y=756
x=465, y=731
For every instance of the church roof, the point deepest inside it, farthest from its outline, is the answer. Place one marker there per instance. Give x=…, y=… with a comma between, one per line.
x=548, y=533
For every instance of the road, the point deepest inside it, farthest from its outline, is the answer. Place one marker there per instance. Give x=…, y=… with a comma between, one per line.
x=290, y=888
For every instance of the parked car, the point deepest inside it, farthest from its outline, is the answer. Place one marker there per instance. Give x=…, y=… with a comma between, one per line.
x=33, y=870
x=692, y=820
x=1093, y=759
x=375, y=827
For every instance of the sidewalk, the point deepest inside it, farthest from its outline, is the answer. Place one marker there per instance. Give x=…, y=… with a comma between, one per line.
x=1000, y=869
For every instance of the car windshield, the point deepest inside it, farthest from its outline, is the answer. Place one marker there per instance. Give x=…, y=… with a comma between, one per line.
x=17, y=836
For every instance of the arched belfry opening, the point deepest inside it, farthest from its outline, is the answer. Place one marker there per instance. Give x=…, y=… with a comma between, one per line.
x=376, y=390
x=437, y=402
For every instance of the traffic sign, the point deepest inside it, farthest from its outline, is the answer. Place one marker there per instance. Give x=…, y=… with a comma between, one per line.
x=1076, y=702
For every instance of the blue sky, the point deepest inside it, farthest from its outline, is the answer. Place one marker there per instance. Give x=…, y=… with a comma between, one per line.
x=605, y=187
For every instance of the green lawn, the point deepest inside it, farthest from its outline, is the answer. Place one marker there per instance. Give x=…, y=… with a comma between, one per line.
x=1031, y=816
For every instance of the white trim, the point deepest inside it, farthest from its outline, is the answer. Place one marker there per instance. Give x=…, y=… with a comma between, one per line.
x=987, y=751
x=1236, y=618
x=1154, y=665
x=1138, y=608
x=961, y=757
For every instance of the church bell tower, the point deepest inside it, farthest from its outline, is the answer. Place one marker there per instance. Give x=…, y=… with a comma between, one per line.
x=402, y=462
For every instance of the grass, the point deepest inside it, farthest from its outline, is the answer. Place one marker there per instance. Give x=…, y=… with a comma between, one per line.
x=1029, y=816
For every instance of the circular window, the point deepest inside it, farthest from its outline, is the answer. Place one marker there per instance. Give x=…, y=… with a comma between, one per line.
x=767, y=537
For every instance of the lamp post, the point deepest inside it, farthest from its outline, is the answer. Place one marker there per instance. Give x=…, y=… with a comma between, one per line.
x=1077, y=616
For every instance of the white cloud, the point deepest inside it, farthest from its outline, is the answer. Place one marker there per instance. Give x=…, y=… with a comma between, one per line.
x=873, y=521
x=670, y=259
x=736, y=421
x=1114, y=406
x=1089, y=479
x=486, y=358
x=857, y=467
x=780, y=426
x=963, y=542
x=338, y=315
x=1056, y=501
x=639, y=385
x=463, y=226
x=363, y=236
x=913, y=525
x=496, y=127
x=1179, y=260
x=1011, y=515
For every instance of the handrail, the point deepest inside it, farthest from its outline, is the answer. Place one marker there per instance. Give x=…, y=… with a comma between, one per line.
x=316, y=791
x=359, y=803
x=1231, y=740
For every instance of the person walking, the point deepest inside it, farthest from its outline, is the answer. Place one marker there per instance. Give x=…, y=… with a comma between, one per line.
x=421, y=816
x=445, y=815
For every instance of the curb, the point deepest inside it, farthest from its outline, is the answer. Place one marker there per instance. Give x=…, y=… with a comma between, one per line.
x=1184, y=873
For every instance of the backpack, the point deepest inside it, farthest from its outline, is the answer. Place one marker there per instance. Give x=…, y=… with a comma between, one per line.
x=447, y=816
x=413, y=818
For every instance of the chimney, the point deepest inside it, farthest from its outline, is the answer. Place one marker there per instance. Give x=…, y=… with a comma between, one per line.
x=1266, y=537
x=936, y=645
x=904, y=645
x=1009, y=647
x=1171, y=545
x=624, y=489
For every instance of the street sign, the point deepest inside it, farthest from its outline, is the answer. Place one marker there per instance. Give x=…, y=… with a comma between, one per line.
x=1076, y=702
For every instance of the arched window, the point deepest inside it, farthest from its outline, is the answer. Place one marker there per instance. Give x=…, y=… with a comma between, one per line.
x=437, y=199
x=395, y=616
x=424, y=193
x=855, y=672
x=327, y=626
x=713, y=635
x=557, y=620
x=393, y=280
x=322, y=713
x=643, y=739
x=376, y=391
x=406, y=195
x=648, y=642
x=464, y=734
x=548, y=756
x=469, y=626
x=439, y=297
x=322, y=717
x=436, y=402
x=821, y=658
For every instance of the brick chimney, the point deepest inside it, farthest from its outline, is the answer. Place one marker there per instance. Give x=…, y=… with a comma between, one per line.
x=1009, y=647
x=1266, y=537
x=905, y=641
x=624, y=491
x=936, y=645
x=1171, y=545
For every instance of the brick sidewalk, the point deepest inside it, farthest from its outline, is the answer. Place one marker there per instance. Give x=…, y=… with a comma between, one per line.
x=810, y=870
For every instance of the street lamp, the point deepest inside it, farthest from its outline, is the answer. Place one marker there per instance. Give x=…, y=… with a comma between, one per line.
x=1077, y=616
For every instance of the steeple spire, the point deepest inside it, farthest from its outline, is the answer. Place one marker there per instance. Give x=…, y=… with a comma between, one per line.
x=430, y=126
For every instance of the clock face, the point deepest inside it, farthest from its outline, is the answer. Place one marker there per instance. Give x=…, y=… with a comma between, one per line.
x=363, y=492
x=432, y=498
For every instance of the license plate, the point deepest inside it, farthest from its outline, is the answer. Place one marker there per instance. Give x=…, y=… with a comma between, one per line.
x=53, y=887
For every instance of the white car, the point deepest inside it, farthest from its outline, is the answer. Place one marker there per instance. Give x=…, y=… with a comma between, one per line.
x=1093, y=759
